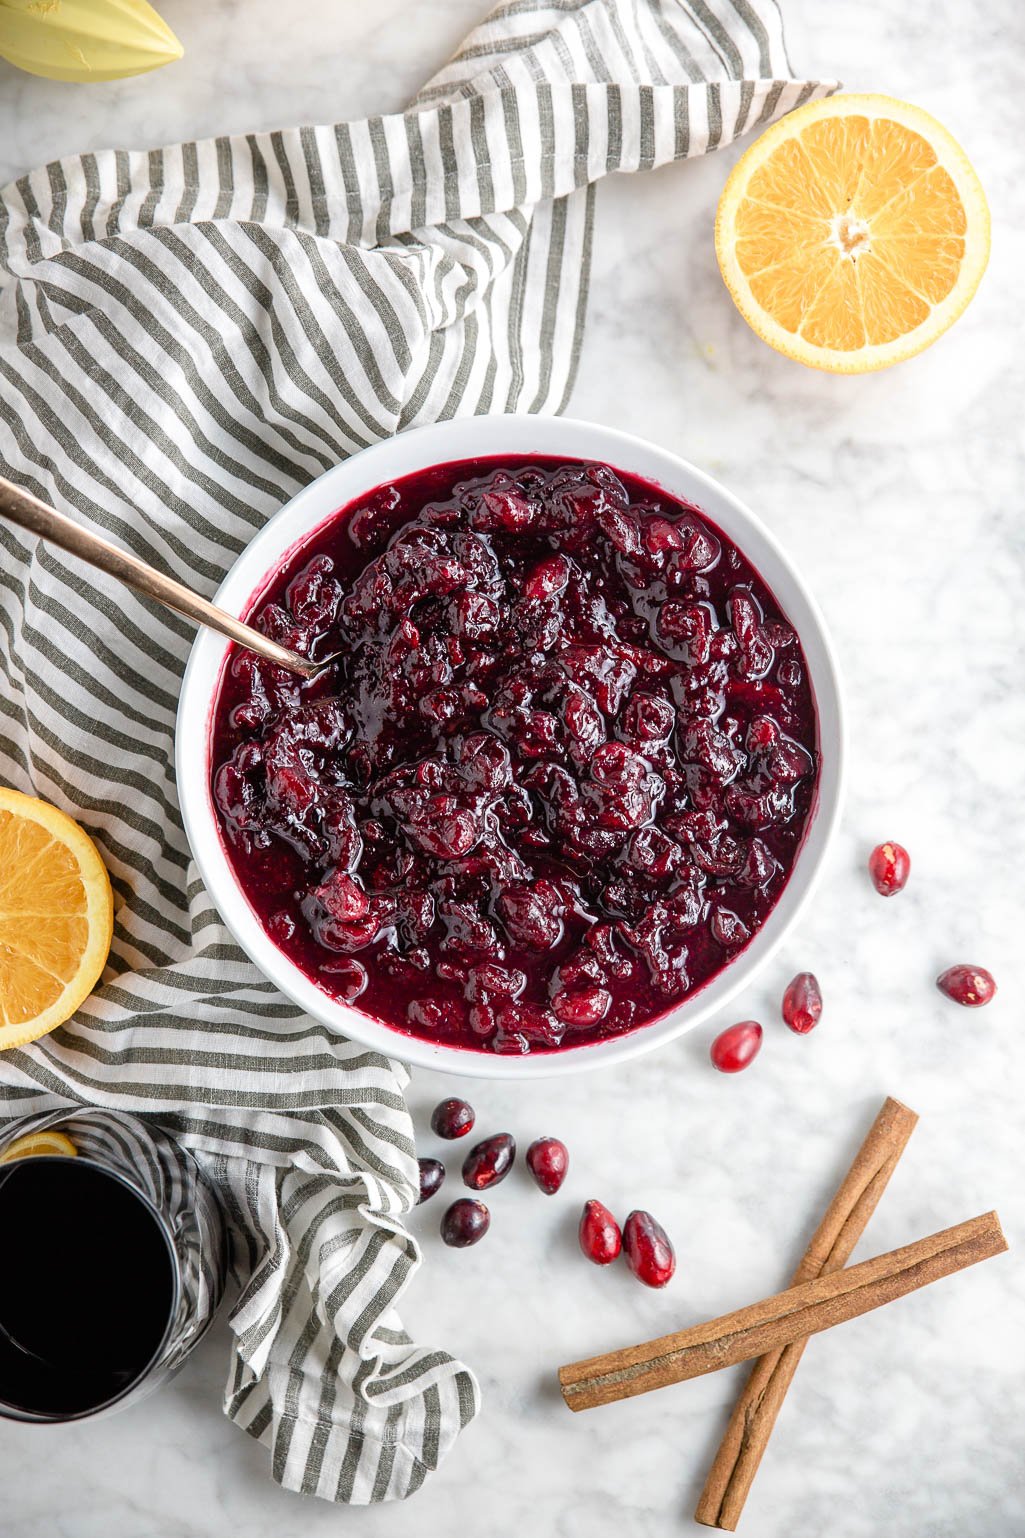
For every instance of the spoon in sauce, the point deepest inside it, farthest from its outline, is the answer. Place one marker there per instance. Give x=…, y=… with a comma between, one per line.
x=39, y=518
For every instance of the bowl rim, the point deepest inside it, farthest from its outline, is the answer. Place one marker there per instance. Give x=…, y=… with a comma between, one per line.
x=485, y=437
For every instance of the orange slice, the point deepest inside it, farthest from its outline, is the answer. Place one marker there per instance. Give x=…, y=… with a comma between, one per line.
x=38, y=1145
x=852, y=233
x=56, y=917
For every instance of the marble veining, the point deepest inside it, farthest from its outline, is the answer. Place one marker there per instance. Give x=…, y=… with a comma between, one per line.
x=898, y=496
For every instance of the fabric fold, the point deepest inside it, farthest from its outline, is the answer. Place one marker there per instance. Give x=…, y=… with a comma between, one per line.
x=188, y=336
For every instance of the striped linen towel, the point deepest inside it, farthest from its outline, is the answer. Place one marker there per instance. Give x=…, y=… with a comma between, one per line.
x=187, y=337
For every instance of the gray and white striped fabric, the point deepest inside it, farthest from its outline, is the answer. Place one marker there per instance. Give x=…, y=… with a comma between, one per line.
x=188, y=336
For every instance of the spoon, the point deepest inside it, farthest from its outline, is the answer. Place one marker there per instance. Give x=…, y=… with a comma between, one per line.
x=39, y=518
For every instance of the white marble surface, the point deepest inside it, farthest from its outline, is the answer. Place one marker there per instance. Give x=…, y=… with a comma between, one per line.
x=899, y=495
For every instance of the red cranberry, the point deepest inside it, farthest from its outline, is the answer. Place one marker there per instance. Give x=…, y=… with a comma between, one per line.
x=548, y=577
x=700, y=550
x=614, y=764
x=432, y=1175
x=802, y=1003
x=889, y=865
x=548, y=1161
x=654, y=853
x=452, y=1118
x=649, y=1253
x=464, y=1223
x=737, y=1046
x=971, y=986
x=532, y=915
x=600, y=1237
x=620, y=530
x=504, y=510
x=582, y=1007
x=489, y=1161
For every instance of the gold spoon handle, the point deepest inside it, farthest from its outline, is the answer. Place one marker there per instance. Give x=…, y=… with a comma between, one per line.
x=28, y=512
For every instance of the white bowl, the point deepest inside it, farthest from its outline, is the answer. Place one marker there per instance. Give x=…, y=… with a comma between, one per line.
x=468, y=439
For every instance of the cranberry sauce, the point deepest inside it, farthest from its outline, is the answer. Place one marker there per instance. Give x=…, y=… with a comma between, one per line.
x=558, y=779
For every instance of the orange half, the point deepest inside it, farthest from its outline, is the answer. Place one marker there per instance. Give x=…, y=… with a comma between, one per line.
x=852, y=233
x=56, y=917
x=39, y=1145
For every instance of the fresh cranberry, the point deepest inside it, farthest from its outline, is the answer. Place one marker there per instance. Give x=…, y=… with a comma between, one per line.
x=489, y=1161
x=599, y=1234
x=548, y=1161
x=431, y=1017
x=889, y=865
x=686, y=630
x=737, y=1046
x=727, y=929
x=971, y=986
x=443, y=828
x=452, y=1118
x=649, y=718
x=649, y=1253
x=432, y=1175
x=464, y=1223
x=548, y=577
x=802, y=1003
x=745, y=614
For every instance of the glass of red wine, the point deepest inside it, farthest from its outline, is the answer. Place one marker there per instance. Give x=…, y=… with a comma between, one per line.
x=114, y=1257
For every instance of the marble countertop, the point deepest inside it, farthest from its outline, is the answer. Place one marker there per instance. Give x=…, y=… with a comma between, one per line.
x=899, y=497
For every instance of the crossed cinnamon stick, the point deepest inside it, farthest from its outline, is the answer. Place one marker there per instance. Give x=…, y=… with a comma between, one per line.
x=776, y=1330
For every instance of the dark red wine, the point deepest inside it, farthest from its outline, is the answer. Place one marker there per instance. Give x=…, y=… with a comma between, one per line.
x=87, y=1286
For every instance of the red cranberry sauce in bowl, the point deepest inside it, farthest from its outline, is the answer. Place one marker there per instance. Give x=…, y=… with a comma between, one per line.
x=559, y=778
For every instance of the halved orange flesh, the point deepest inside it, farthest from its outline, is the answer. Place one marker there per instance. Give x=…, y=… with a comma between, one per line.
x=56, y=917
x=852, y=233
x=39, y=1145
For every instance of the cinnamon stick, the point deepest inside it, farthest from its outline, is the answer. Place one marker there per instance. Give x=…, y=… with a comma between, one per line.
x=776, y=1321
x=754, y=1415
